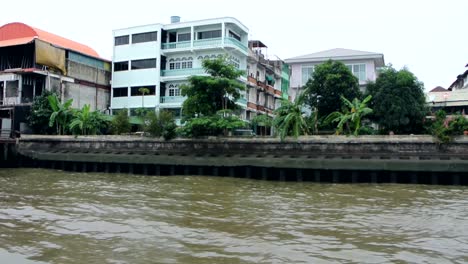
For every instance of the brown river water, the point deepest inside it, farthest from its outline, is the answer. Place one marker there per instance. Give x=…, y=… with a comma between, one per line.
x=49, y=216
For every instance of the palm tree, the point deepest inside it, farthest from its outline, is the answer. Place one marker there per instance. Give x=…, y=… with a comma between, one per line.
x=60, y=113
x=351, y=116
x=290, y=119
x=143, y=91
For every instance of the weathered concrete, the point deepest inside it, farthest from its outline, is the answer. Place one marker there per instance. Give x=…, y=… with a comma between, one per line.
x=88, y=73
x=370, y=153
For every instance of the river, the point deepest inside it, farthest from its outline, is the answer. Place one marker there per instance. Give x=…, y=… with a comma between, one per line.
x=49, y=216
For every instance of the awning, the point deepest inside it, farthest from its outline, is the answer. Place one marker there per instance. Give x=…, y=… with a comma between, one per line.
x=270, y=78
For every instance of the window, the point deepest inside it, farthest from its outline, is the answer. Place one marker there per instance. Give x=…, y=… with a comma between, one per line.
x=135, y=91
x=121, y=40
x=120, y=92
x=234, y=61
x=174, y=92
x=359, y=70
x=143, y=64
x=209, y=34
x=307, y=71
x=145, y=37
x=12, y=88
x=121, y=66
x=180, y=63
x=234, y=35
x=183, y=37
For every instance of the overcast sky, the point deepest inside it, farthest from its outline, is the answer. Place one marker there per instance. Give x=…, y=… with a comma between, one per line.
x=429, y=37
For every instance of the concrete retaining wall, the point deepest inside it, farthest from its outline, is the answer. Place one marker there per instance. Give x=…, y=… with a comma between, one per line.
x=333, y=159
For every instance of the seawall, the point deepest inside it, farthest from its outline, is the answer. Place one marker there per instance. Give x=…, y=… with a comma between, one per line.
x=406, y=159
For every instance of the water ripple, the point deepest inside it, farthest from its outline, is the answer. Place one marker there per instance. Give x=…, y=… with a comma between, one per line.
x=55, y=217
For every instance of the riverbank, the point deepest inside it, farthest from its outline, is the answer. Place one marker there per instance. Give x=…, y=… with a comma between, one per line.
x=405, y=159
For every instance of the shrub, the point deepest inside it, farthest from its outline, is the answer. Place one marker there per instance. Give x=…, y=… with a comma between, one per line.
x=161, y=124
x=120, y=124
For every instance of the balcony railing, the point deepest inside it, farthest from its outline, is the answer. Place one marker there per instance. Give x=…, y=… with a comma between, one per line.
x=235, y=42
x=204, y=43
x=172, y=99
x=176, y=45
x=242, y=101
x=183, y=72
x=207, y=42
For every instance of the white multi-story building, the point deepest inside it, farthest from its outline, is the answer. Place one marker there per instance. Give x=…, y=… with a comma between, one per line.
x=162, y=57
x=363, y=64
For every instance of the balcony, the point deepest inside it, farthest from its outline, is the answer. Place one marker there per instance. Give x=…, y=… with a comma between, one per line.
x=172, y=99
x=252, y=80
x=176, y=45
x=270, y=89
x=234, y=42
x=278, y=93
x=251, y=106
x=242, y=101
x=183, y=72
x=205, y=43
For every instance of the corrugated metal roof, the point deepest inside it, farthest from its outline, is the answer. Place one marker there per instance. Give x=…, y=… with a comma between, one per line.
x=18, y=33
x=17, y=41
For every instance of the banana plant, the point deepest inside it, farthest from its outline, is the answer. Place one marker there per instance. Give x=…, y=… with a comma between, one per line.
x=351, y=116
x=61, y=113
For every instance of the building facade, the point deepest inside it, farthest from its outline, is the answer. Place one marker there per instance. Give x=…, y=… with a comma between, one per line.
x=162, y=57
x=268, y=81
x=33, y=60
x=452, y=100
x=364, y=65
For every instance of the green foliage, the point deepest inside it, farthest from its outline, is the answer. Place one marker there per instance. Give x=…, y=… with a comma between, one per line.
x=263, y=121
x=214, y=125
x=120, y=124
x=445, y=128
x=87, y=122
x=39, y=116
x=398, y=102
x=208, y=94
x=329, y=82
x=61, y=113
x=351, y=116
x=142, y=112
x=160, y=124
x=290, y=119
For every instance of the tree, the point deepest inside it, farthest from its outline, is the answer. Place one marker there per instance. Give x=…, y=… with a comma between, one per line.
x=143, y=91
x=263, y=121
x=40, y=113
x=121, y=123
x=351, y=116
x=398, y=101
x=329, y=82
x=290, y=119
x=208, y=94
x=61, y=113
x=87, y=122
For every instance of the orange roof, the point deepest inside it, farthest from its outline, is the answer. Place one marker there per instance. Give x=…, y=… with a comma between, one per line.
x=19, y=33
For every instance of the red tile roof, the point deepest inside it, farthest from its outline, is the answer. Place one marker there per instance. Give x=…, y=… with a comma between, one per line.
x=19, y=33
x=438, y=89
